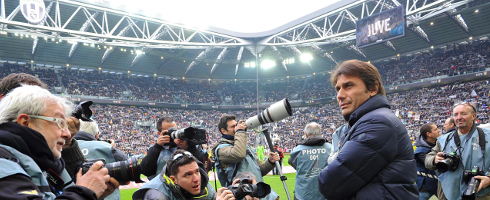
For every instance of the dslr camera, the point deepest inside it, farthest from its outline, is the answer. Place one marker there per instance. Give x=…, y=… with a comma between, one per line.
x=122, y=171
x=82, y=111
x=450, y=162
x=192, y=134
x=245, y=187
x=472, y=183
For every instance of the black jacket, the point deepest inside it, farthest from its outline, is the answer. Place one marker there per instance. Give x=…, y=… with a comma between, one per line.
x=118, y=154
x=375, y=160
x=149, y=163
x=33, y=144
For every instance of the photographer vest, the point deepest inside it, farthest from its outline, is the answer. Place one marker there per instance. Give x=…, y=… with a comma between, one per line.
x=226, y=172
x=309, y=162
x=471, y=155
x=162, y=160
x=97, y=150
x=163, y=187
x=27, y=166
x=430, y=183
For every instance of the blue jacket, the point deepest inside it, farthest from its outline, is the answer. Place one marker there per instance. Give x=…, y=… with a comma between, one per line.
x=309, y=158
x=375, y=159
x=423, y=148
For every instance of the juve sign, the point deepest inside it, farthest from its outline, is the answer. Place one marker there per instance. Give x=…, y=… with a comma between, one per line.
x=33, y=10
x=380, y=27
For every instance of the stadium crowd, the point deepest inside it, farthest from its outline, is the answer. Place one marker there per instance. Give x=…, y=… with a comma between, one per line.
x=123, y=123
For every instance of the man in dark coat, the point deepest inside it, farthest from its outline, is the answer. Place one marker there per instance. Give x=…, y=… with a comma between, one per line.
x=426, y=181
x=376, y=156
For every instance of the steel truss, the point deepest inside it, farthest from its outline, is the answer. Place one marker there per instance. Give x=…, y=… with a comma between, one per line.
x=144, y=34
x=97, y=28
x=331, y=28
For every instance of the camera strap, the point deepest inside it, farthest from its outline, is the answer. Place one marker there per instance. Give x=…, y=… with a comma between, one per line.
x=481, y=142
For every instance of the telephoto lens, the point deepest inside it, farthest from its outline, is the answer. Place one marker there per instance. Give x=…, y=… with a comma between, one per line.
x=124, y=171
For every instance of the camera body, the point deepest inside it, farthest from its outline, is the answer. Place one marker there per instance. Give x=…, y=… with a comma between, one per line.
x=192, y=134
x=472, y=183
x=245, y=187
x=450, y=162
x=83, y=112
x=122, y=171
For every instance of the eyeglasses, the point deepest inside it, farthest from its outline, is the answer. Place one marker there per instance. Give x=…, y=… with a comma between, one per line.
x=61, y=122
x=466, y=104
x=180, y=155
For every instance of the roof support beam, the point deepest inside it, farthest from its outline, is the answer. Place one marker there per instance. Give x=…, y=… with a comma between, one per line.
x=238, y=58
x=84, y=28
x=199, y=59
x=109, y=51
x=281, y=59
x=220, y=59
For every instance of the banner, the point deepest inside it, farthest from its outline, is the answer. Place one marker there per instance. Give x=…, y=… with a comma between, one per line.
x=386, y=25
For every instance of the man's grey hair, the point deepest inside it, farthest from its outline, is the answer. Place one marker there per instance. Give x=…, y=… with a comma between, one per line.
x=31, y=100
x=89, y=127
x=313, y=128
x=248, y=175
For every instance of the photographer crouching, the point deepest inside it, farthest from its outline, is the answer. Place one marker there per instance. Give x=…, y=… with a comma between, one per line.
x=183, y=177
x=188, y=139
x=462, y=157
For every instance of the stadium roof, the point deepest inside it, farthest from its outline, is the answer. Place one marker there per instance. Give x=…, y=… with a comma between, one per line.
x=93, y=36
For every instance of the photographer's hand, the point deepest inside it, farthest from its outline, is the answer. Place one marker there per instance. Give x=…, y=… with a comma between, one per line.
x=439, y=157
x=485, y=182
x=163, y=139
x=73, y=127
x=112, y=185
x=240, y=125
x=224, y=194
x=273, y=157
x=95, y=179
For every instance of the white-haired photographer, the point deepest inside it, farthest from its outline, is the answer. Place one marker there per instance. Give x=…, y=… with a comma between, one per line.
x=33, y=129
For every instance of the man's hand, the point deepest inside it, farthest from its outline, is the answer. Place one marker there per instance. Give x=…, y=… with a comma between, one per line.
x=224, y=194
x=163, y=139
x=439, y=157
x=95, y=179
x=240, y=125
x=485, y=182
x=273, y=157
x=73, y=127
x=112, y=185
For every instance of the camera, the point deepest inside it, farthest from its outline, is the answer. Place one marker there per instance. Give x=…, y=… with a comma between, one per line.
x=245, y=187
x=450, y=162
x=192, y=134
x=472, y=183
x=276, y=112
x=122, y=171
x=82, y=111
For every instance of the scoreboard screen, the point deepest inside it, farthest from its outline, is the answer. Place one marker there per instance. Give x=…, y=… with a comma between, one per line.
x=386, y=25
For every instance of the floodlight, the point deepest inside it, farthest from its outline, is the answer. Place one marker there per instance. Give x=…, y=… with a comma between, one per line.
x=306, y=57
x=268, y=64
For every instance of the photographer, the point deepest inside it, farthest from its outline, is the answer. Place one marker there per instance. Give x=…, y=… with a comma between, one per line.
x=182, y=178
x=95, y=149
x=233, y=155
x=157, y=155
x=427, y=185
x=309, y=158
x=251, y=180
x=460, y=151
x=33, y=129
x=72, y=154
